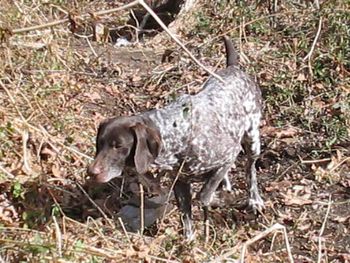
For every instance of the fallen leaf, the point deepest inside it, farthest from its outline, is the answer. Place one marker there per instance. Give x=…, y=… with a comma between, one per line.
x=301, y=77
x=297, y=200
x=56, y=171
x=280, y=132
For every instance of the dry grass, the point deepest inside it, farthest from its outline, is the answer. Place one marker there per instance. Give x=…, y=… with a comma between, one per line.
x=56, y=87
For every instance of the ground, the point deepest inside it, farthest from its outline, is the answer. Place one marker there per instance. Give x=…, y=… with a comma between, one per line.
x=56, y=87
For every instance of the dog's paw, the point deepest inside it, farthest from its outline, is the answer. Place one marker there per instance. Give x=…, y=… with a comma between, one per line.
x=206, y=198
x=256, y=204
x=227, y=187
x=190, y=236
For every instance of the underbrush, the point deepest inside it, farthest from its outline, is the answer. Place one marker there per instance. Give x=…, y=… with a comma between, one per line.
x=55, y=88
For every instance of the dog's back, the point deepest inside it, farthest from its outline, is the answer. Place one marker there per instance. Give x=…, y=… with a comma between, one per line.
x=208, y=127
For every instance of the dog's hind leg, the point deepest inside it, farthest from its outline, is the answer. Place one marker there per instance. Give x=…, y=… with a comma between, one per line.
x=251, y=145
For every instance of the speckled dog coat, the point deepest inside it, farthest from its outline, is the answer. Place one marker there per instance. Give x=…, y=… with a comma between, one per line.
x=202, y=134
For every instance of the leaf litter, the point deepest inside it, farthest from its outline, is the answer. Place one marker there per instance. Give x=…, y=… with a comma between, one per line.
x=64, y=91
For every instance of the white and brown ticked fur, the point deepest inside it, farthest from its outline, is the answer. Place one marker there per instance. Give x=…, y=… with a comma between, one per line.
x=204, y=132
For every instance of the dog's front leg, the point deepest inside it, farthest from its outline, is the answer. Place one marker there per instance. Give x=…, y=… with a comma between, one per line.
x=207, y=192
x=183, y=197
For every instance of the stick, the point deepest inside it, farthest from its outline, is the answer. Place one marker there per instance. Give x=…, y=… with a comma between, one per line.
x=25, y=137
x=7, y=173
x=58, y=236
x=124, y=229
x=142, y=210
x=160, y=22
x=272, y=229
x=171, y=190
x=315, y=161
x=65, y=20
x=315, y=40
x=97, y=207
x=319, y=257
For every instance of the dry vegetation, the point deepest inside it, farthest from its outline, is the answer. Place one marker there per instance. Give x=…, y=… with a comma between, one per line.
x=55, y=87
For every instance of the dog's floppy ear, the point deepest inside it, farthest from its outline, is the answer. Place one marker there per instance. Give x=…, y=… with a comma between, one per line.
x=147, y=147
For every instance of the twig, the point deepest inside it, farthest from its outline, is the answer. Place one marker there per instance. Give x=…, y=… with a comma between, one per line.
x=137, y=28
x=65, y=20
x=91, y=47
x=158, y=259
x=339, y=164
x=309, y=55
x=317, y=4
x=272, y=229
x=315, y=40
x=12, y=101
x=166, y=29
x=9, y=175
x=58, y=236
x=25, y=137
x=142, y=209
x=97, y=207
x=319, y=257
x=315, y=161
x=124, y=229
x=171, y=189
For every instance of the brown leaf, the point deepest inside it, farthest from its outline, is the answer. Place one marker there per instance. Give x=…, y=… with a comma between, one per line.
x=56, y=171
x=278, y=186
x=47, y=152
x=280, y=132
x=94, y=96
x=341, y=219
x=293, y=199
x=301, y=77
x=8, y=213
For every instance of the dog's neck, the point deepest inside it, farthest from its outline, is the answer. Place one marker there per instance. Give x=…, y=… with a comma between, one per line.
x=174, y=125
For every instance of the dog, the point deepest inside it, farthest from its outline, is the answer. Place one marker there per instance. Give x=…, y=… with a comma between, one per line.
x=203, y=134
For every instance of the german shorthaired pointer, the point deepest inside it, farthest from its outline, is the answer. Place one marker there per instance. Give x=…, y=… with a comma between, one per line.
x=202, y=134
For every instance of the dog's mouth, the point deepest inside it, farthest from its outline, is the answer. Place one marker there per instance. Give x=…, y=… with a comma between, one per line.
x=105, y=177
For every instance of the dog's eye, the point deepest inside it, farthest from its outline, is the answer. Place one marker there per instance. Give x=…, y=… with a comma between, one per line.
x=115, y=145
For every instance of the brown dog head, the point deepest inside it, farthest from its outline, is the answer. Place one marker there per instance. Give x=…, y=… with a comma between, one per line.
x=121, y=142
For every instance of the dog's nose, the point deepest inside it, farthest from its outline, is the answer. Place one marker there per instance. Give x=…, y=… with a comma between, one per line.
x=94, y=169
